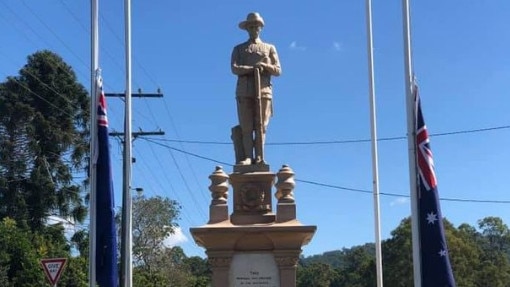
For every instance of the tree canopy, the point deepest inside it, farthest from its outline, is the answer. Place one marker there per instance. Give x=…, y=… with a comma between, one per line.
x=44, y=113
x=480, y=257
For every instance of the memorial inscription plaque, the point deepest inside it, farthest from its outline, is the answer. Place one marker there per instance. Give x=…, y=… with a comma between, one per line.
x=254, y=270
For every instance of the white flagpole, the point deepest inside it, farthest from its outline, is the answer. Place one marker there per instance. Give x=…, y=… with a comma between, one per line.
x=375, y=171
x=93, y=140
x=127, y=262
x=411, y=140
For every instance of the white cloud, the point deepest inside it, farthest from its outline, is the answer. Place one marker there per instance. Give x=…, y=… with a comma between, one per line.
x=69, y=225
x=294, y=46
x=399, y=201
x=337, y=46
x=175, y=239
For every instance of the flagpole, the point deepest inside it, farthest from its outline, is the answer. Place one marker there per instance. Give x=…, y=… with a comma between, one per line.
x=375, y=171
x=93, y=140
x=411, y=140
x=127, y=262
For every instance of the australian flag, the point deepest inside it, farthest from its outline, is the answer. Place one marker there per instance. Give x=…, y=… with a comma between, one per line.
x=436, y=270
x=106, y=239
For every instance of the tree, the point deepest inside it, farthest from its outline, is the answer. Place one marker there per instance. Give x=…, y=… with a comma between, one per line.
x=496, y=234
x=359, y=269
x=80, y=241
x=200, y=271
x=44, y=113
x=316, y=274
x=75, y=273
x=170, y=270
x=154, y=219
x=495, y=250
x=156, y=264
x=19, y=255
x=479, y=258
x=398, y=256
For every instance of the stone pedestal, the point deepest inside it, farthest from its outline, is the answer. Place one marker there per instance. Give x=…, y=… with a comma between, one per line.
x=253, y=246
x=252, y=197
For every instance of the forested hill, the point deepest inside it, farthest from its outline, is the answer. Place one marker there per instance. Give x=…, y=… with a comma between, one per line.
x=480, y=256
x=337, y=258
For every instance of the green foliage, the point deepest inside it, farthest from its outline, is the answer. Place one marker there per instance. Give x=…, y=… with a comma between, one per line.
x=75, y=273
x=154, y=219
x=43, y=138
x=19, y=256
x=4, y=280
x=200, y=271
x=336, y=258
x=359, y=268
x=80, y=241
x=44, y=114
x=174, y=269
x=316, y=274
x=479, y=257
x=398, y=256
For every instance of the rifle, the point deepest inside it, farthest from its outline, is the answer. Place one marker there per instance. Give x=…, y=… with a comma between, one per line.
x=259, y=125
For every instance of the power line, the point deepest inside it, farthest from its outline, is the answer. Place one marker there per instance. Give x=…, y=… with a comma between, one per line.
x=188, y=153
x=366, y=191
x=403, y=195
x=164, y=188
x=54, y=34
x=190, y=166
x=23, y=32
x=344, y=141
x=40, y=97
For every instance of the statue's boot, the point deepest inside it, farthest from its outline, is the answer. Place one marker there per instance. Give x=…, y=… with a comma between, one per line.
x=248, y=149
x=259, y=151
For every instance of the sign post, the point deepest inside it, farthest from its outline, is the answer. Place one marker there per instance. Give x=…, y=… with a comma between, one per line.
x=53, y=269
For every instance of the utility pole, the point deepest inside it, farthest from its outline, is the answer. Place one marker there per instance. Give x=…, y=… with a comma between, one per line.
x=139, y=95
x=126, y=237
x=134, y=135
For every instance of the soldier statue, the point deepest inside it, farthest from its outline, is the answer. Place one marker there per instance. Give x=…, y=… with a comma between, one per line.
x=254, y=62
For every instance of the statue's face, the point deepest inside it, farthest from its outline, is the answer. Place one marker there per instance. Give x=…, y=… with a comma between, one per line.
x=254, y=30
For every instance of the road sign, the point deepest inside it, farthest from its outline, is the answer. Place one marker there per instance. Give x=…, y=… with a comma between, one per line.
x=53, y=269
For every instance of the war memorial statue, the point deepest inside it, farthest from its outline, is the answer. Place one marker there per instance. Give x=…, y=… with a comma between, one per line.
x=254, y=62
x=253, y=246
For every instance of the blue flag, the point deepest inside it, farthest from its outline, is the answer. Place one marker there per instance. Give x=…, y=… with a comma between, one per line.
x=106, y=239
x=436, y=270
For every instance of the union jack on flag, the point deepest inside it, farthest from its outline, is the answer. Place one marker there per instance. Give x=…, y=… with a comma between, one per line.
x=424, y=153
x=436, y=270
x=102, y=119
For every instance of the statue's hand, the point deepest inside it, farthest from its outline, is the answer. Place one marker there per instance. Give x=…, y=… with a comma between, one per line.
x=261, y=66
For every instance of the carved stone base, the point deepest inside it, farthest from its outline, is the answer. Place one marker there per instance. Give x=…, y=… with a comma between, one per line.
x=279, y=242
x=252, y=197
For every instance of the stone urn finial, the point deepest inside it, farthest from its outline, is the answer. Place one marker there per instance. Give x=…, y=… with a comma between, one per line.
x=285, y=185
x=219, y=186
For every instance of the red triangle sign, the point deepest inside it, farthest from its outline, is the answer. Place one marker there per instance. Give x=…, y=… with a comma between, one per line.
x=53, y=268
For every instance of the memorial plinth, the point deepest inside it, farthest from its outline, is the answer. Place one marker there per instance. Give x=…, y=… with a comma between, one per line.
x=253, y=246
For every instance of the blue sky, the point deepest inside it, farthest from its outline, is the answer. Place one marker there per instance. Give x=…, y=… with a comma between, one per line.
x=460, y=56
